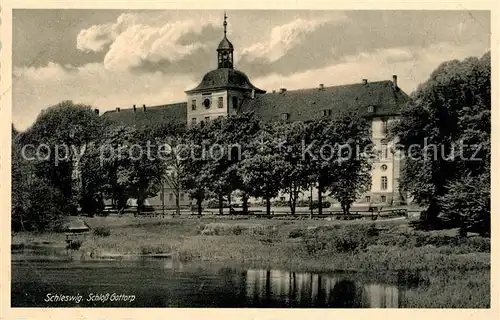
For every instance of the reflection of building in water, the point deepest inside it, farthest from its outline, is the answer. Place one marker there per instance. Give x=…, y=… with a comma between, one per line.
x=380, y=296
x=307, y=289
x=173, y=264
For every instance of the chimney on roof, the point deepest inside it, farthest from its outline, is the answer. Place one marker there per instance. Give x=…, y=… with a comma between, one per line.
x=117, y=109
x=321, y=86
x=395, y=81
x=144, y=107
x=282, y=90
x=253, y=93
x=135, y=108
x=96, y=111
x=274, y=91
x=365, y=81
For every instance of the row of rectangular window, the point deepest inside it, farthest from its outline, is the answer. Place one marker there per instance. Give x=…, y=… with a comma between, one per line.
x=193, y=120
x=220, y=103
x=382, y=199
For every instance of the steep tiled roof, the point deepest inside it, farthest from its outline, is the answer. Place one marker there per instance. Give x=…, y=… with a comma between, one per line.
x=308, y=104
x=173, y=113
x=303, y=104
x=225, y=78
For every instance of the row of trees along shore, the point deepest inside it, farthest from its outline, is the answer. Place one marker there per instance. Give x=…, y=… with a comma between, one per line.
x=259, y=159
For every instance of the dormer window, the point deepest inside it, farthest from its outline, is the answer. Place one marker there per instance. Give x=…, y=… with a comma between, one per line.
x=371, y=109
x=327, y=112
x=285, y=116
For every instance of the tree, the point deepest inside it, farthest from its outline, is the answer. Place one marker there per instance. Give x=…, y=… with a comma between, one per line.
x=20, y=188
x=351, y=172
x=65, y=129
x=143, y=176
x=173, y=137
x=131, y=164
x=236, y=135
x=320, y=147
x=449, y=113
x=296, y=178
x=44, y=179
x=93, y=180
x=212, y=158
x=192, y=159
x=467, y=203
x=261, y=167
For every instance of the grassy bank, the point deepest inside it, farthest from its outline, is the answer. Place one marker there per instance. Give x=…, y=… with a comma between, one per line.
x=313, y=245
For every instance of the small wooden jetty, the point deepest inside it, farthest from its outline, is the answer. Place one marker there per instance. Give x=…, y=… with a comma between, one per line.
x=76, y=232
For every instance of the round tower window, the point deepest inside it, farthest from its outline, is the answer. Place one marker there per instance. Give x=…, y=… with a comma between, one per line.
x=384, y=167
x=206, y=103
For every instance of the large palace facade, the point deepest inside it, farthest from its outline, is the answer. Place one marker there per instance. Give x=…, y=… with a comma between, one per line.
x=227, y=91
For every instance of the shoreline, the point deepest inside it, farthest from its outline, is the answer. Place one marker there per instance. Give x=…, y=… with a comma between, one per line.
x=304, y=244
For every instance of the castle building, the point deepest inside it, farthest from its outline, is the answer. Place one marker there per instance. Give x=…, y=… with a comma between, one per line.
x=226, y=91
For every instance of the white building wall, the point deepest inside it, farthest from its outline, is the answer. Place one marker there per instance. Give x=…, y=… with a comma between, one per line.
x=213, y=112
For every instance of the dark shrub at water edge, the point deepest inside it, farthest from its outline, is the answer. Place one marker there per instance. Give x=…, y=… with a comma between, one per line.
x=102, y=231
x=346, y=239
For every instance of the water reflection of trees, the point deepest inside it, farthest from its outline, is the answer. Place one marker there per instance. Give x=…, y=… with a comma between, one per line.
x=273, y=288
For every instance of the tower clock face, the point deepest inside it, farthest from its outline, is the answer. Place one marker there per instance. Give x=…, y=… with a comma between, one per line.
x=206, y=103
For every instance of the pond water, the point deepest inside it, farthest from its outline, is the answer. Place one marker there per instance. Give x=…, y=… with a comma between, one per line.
x=41, y=276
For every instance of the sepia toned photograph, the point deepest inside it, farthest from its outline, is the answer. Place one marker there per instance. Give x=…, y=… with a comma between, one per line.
x=250, y=158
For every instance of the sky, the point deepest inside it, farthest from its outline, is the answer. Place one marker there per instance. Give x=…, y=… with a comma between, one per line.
x=110, y=58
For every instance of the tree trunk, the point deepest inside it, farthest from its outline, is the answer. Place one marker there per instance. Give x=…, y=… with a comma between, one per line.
x=430, y=215
x=292, y=202
x=199, y=200
x=177, y=205
x=221, y=204
x=462, y=231
x=244, y=205
x=320, y=199
x=345, y=206
x=311, y=203
x=268, y=205
x=140, y=203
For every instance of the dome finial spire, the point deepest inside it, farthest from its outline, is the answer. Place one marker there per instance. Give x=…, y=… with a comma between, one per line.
x=225, y=23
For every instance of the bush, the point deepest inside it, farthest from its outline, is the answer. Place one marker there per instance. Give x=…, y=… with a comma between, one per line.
x=102, y=231
x=154, y=249
x=478, y=244
x=315, y=204
x=467, y=203
x=45, y=209
x=280, y=203
x=297, y=233
x=405, y=240
x=74, y=245
x=346, y=239
x=214, y=204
